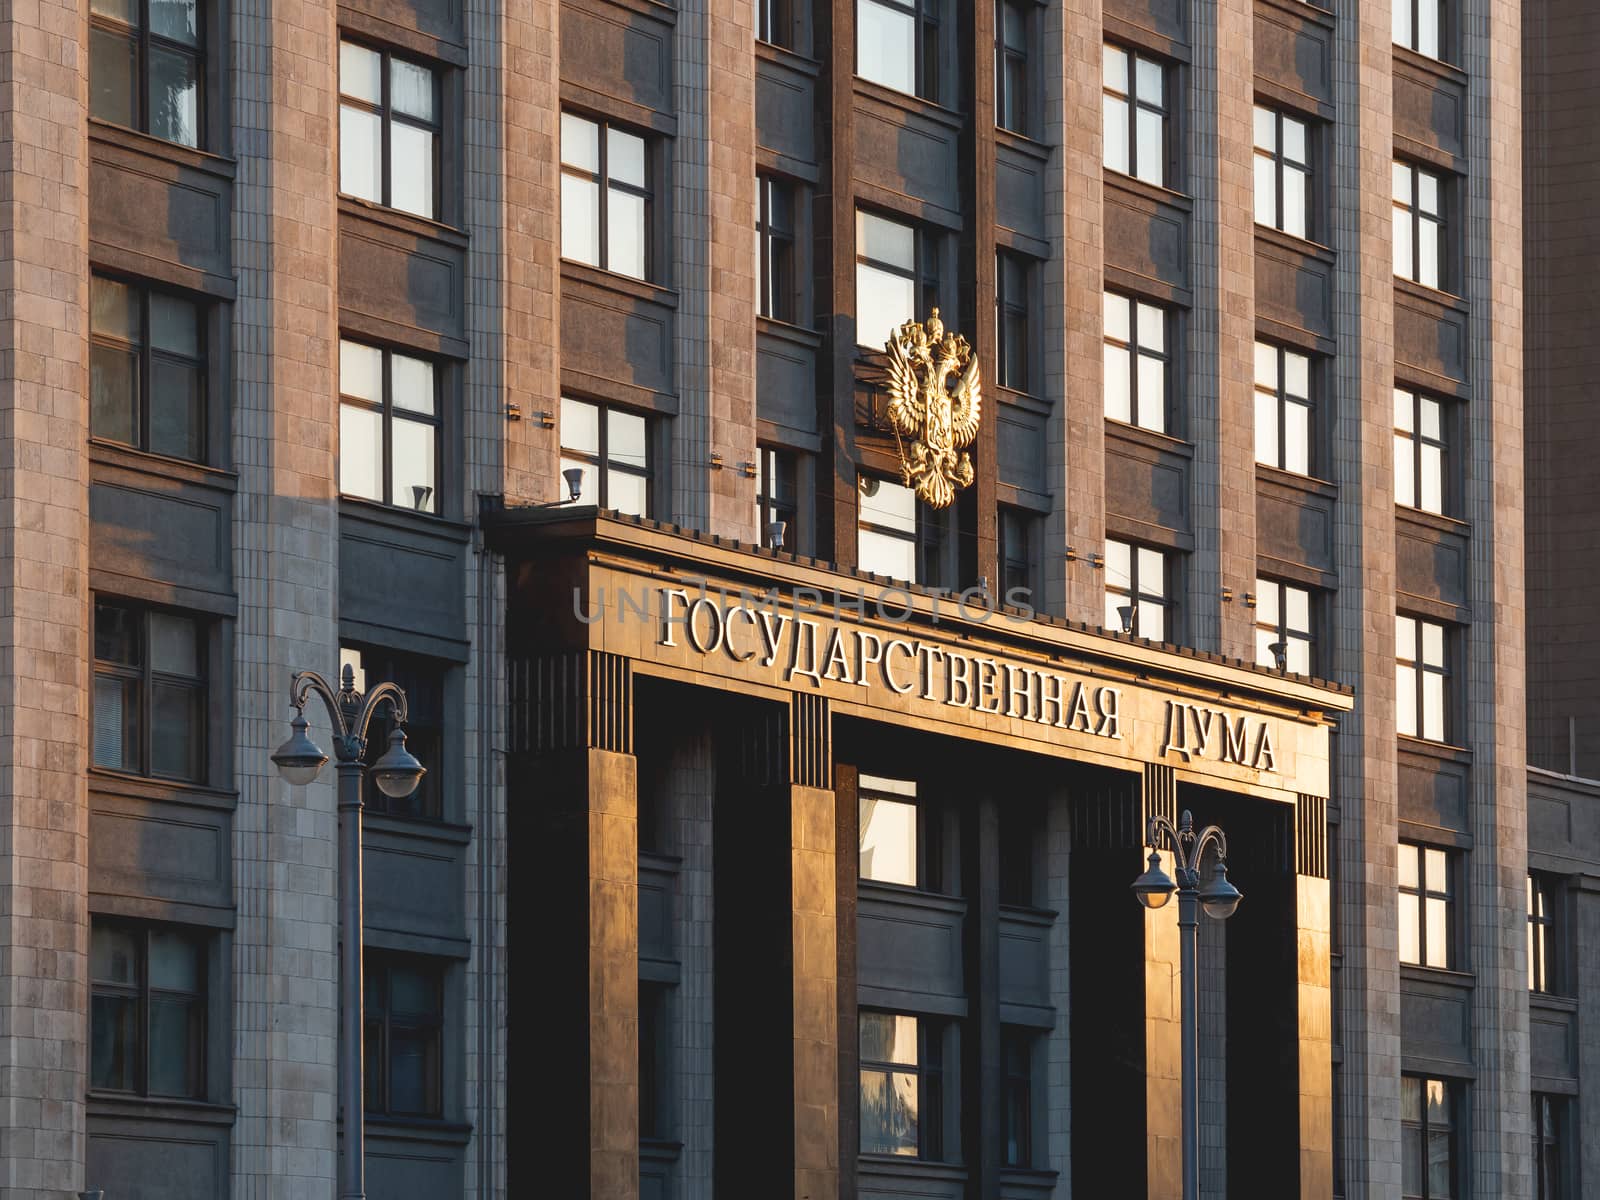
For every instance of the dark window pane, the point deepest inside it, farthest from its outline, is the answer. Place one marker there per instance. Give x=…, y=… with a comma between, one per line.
x=372, y=1037
x=113, y=72
x=177, y=392
x=414, y=1071
x=113, y=1035
x=174, y=96
x=116, y=723
x=114, y=394
x=114, y=956
x=178, y=20
x=174, y=1046
x=175, y=730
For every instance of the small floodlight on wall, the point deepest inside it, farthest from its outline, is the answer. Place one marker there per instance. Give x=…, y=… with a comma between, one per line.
x=775, y=532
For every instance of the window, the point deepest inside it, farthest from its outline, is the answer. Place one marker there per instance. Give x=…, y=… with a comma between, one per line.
x=1419, y=225
x=147, y=369
x=1549, y=1165
x=896, y=535
x=892, y=849
x=1135, y=382
x=605, y=196
x=388, y=129
x=1422, y=690
x=404, y=1036
x=388, y=427
x=149, y=692
x=1136, y=578
x=897, y=277
x=1011, y=65
x=1427, y=1138
x=611, y=446
x=1419, y=26
x=1011, y=318
x=147, y=1016
x=1134, y=115
x=773, y=22
x=147, y=67
x=1283, y=614
x=1283, y=172
x=1016, y=552
x=1544, y=934
x=1427, y=907
x=1017, y=1045
x=776, y=494
x=654, y=1044
x=897, y=45
x=775, y=247
x=1283, y=409
x=1419, y=446
x=422, y=680
x=902, y=1085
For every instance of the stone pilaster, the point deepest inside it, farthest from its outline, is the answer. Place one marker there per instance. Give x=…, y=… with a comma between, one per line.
x=1361, y=393
x=285, y=540
x=44, y=598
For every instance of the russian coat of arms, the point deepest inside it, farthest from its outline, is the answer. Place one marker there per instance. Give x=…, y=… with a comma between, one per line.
x=935, y=403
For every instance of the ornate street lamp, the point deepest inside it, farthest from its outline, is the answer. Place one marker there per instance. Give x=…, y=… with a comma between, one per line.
x=397, y=774
x=1218, y=898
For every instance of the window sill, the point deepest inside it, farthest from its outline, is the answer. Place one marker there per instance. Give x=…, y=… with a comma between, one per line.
x=115, y=454
x=1309, y=485
x=1437, y=67
x=1298, y=245
x=1442, y=751
x=1405, y=514
x=931, y=109
x=1165, y=443
x=143, y=143
x=1022, y=399
x=405, y=518
x=1429, y=295
x=106, y=782
x=1551, y=1002
x=401, y=221
x=418, y=1129
x=1151, y=191
x=627, y=285
x=159, y=1108
x=1448, y=976
x=788, y=331
x=786, y=56
x=1022, y=143
x=1303, y=8
x=901, y=1164
x=899, y=893
x=430, y=828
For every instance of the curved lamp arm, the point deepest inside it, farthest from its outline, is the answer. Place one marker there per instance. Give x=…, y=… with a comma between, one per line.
x=349, y=711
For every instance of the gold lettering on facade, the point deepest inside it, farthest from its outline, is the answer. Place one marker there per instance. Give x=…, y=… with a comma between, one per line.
x=934, y=421
x=1246, y=741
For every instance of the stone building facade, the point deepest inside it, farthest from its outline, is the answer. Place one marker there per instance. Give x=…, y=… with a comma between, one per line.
x=1282, y=316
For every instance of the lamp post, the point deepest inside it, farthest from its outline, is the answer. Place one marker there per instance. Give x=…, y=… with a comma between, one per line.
x=1219, y=898
x=397, y=774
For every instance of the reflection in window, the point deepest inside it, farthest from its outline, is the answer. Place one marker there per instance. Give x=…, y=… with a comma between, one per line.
x=1134, y=115
x=897, y=45
x=389, y=128
x=1544, y=934
x=1419, y=449
x=775, y=247
x=611, y=446
x=896, y=535
x=1419, y=25
x=1427, y=1138
x=1549, y=1164
x=147, y=67
x=902, y=1093
x=605, y=196
x=388, y=427
x=1283, y=409
x=1011, y=65
x=147, y=369
x=1427, y=917
x=896, y=277
x=1136, y=579
x=1418, y=225
x=149, y=692
x=404, y=1035
x=1283, y=615
x=147, y=1014
x=1135, y=378
x=1422, y=691
x=1283, y=172
x=776, y=495
x=888, y=834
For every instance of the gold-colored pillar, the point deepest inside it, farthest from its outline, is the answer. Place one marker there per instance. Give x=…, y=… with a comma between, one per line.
x=1314, y=996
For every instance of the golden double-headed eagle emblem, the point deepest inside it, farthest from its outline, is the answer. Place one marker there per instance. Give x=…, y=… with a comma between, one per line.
x=935, y=402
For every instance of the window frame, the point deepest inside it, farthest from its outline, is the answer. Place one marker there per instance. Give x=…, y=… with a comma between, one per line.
x=1011, y=314
x=1550, y=1119
x=1017, y=1044
x=655, y=1060
x=1425, y=1130
x=1011, y=87
x=147, y=678
x=1418, y=896
x=1016, y=562
x=930, y=1072
x=926, y=829
x=425, y=739
x=1413, y=9
x=601, y=462
x=775, y=23
x=141, y=993
x=1420, y=444
x=775, y=250
x=1546, y=934
x=1135, y=349
x=924, y=272
x=386, y=411
x=601, y=178
x=925, y=46
x=1135, y=591
x=1281, y=399
x=1422, y=670
x=387, y=116
x=1281, y=629
x=379, y=1069
x=146, y=354
x=1134, y=104
x=771, y=506
x=928, y=540
x=142, y=38
x=1282, y=164
x=1410, y=212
